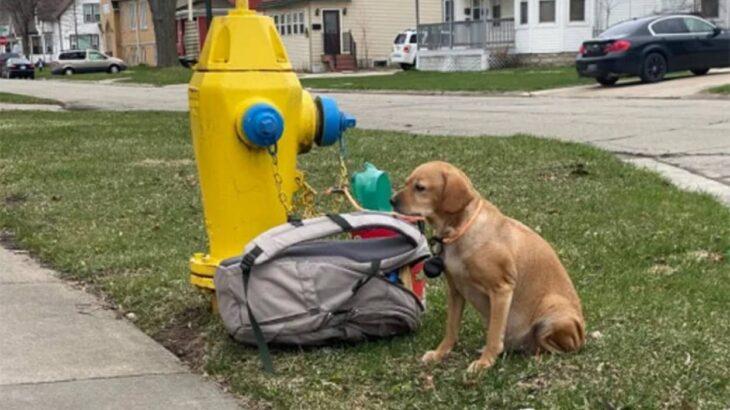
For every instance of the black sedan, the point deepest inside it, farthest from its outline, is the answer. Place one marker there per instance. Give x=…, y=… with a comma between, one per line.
x=650, y=47
x=18, y=67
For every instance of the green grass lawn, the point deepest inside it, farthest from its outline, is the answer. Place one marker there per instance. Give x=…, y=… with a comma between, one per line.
x=723, y=89
x=493, y=81
x=11, y=98
x=649, y=261
x=136, y=74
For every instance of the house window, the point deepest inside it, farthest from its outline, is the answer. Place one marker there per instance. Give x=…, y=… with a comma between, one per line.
x=35, y=43
x=143, y=14
x=301, y=22
x=497, y=12
x=448, y=10
x=523, y=12
x=49, y=42
x=91, y=13
x=710, y=8
x=577, y=10
x=288, y=24
x=84, y=41
x=547, y=11
x=295, y=23
x=132, y=15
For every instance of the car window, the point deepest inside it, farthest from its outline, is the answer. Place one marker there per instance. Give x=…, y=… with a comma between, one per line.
x=623, y=29
x=400, y=39
x=95, y=56
x=670, y=26
x=80, y=55
x=414, y=39
x=698, y=26
x=17, y=61
x=64, y=56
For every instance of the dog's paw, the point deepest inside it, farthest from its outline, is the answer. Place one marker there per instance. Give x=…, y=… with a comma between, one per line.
x=480, y=365
x=432, y=356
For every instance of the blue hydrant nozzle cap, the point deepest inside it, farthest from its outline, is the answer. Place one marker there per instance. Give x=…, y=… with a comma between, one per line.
x=262, y=125
x=347, y=121
x=333, y=122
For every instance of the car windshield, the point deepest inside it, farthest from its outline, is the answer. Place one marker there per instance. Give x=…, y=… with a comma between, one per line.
x=624, y=29
x=400, y=39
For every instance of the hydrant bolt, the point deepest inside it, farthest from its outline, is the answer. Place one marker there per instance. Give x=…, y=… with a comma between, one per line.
x=263, y=125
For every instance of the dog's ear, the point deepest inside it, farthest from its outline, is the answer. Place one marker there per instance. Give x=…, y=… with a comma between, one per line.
x=456, y=193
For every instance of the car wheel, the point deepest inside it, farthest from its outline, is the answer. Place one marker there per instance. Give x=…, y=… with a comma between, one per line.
x=607, y=81
x=406, y=67
x=700, y=71
x=654, y=68
x=114, y=69
x=68, y=71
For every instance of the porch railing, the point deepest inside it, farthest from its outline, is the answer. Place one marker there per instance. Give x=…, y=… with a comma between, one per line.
x=467, y=34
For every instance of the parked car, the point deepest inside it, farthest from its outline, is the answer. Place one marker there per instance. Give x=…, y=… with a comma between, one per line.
x=17, y=67
x=651, y=47
x=405, y=49
x=4, y=57
x=86, y=61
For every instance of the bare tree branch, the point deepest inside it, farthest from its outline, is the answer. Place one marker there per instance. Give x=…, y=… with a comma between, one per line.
x=22, y=13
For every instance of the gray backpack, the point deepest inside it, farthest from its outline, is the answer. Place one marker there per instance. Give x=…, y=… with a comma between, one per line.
x=291, y=287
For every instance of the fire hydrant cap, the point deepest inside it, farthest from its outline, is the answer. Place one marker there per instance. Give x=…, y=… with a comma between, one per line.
x=334, y=121
x=263, y=125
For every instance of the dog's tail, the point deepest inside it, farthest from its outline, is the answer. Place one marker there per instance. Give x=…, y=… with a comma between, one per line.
x=560, y=329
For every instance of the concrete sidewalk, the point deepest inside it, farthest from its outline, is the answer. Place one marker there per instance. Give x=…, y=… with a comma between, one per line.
x=60, y=348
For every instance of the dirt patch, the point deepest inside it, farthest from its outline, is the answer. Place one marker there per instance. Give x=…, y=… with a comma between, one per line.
x=152, y=162
x=183, y=336
x=15, y=199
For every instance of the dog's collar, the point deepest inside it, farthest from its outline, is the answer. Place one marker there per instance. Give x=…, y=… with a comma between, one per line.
x=462, y=230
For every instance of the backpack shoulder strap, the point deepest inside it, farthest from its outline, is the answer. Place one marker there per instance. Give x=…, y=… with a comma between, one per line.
x=276, y=240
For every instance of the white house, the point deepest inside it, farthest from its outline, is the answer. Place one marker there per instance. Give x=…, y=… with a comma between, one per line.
x=71, y=24
x=478, y=34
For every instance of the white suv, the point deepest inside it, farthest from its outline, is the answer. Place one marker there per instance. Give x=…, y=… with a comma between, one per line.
x=405, y=49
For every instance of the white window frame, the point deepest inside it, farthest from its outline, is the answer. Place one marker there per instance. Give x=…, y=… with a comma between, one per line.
x=132, y=15
x=719, y=9
x=142, y=13
x=585, y=13
x=527, y=17
x=95, y=17
x=555, y=13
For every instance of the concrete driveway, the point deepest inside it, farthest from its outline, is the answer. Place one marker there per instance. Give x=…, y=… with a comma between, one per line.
x=684, y=85
x=685, y=139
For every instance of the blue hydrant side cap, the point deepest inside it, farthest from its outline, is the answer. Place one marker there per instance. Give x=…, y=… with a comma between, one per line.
x=262, y=125
x=334, y=121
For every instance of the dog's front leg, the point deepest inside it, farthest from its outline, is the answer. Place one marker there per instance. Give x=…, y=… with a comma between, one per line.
x=454, y=312
x=499, y=305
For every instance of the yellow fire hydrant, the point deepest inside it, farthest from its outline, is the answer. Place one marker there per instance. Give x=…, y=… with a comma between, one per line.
x=249, y=118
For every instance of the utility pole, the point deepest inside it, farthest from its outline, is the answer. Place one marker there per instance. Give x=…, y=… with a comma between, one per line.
x=418, y=23
x=76, y=25
x=208, y=12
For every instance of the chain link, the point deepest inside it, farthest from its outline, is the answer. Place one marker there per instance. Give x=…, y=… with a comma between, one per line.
x=278, y=180
x=305, y=200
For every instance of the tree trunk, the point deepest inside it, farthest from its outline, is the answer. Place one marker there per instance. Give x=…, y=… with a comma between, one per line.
x=25, y=35
x=163, y=15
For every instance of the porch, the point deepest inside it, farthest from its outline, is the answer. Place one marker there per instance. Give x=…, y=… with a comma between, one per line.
x=472, y=45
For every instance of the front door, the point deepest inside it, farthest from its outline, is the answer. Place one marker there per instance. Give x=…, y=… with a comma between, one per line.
x=331, y=32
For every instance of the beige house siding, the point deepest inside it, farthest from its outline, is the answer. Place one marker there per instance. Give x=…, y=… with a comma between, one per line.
x=373, y=23
x=296, y=41
x=137, y=39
